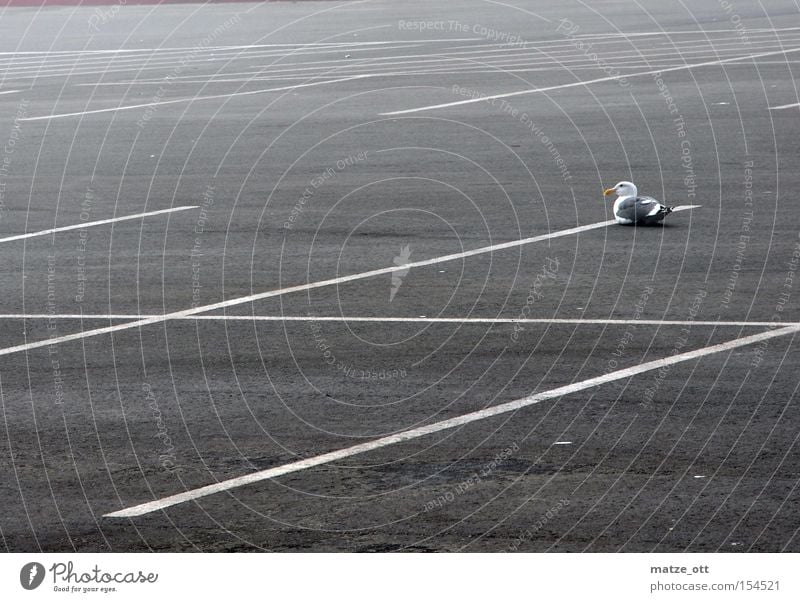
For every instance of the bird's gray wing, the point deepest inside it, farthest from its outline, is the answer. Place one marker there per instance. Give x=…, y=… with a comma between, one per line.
x=636, y=208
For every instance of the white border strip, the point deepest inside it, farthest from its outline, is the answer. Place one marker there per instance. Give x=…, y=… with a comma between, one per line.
x=436, y=427
x=97, y=223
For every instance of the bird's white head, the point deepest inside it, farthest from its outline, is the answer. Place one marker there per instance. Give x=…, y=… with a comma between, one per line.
x=622, y=189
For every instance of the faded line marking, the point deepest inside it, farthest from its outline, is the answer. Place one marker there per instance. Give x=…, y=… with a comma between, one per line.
x=212, y=49
x=789, y=106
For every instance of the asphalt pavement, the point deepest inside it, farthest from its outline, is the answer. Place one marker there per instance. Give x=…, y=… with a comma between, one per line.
x=327, y=272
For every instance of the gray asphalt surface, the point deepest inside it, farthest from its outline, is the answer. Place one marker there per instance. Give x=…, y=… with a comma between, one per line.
x=698, y=456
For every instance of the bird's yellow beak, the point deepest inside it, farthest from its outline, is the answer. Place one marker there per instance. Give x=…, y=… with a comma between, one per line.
x=608, y=191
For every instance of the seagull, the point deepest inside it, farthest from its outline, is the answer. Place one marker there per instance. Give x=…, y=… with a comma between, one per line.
x=631, y=209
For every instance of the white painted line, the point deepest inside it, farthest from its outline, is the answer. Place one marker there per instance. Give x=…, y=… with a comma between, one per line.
x=307, y=287
x=643, y=56
x=103, y=66
x=496, y=56
x=412, y=320
x=97, y=223
x=510, y=58
x=703, y=32
x=47, y=67
x=778, y=108
x=70, y=69
x=189, y=100
x=436, y=427
x=589, y=82
x=198, y=56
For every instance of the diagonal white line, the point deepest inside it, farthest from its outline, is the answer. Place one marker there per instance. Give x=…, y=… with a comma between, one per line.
x=308, y=286
x=588, y=82
x=97, y=223
x=436, y=427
